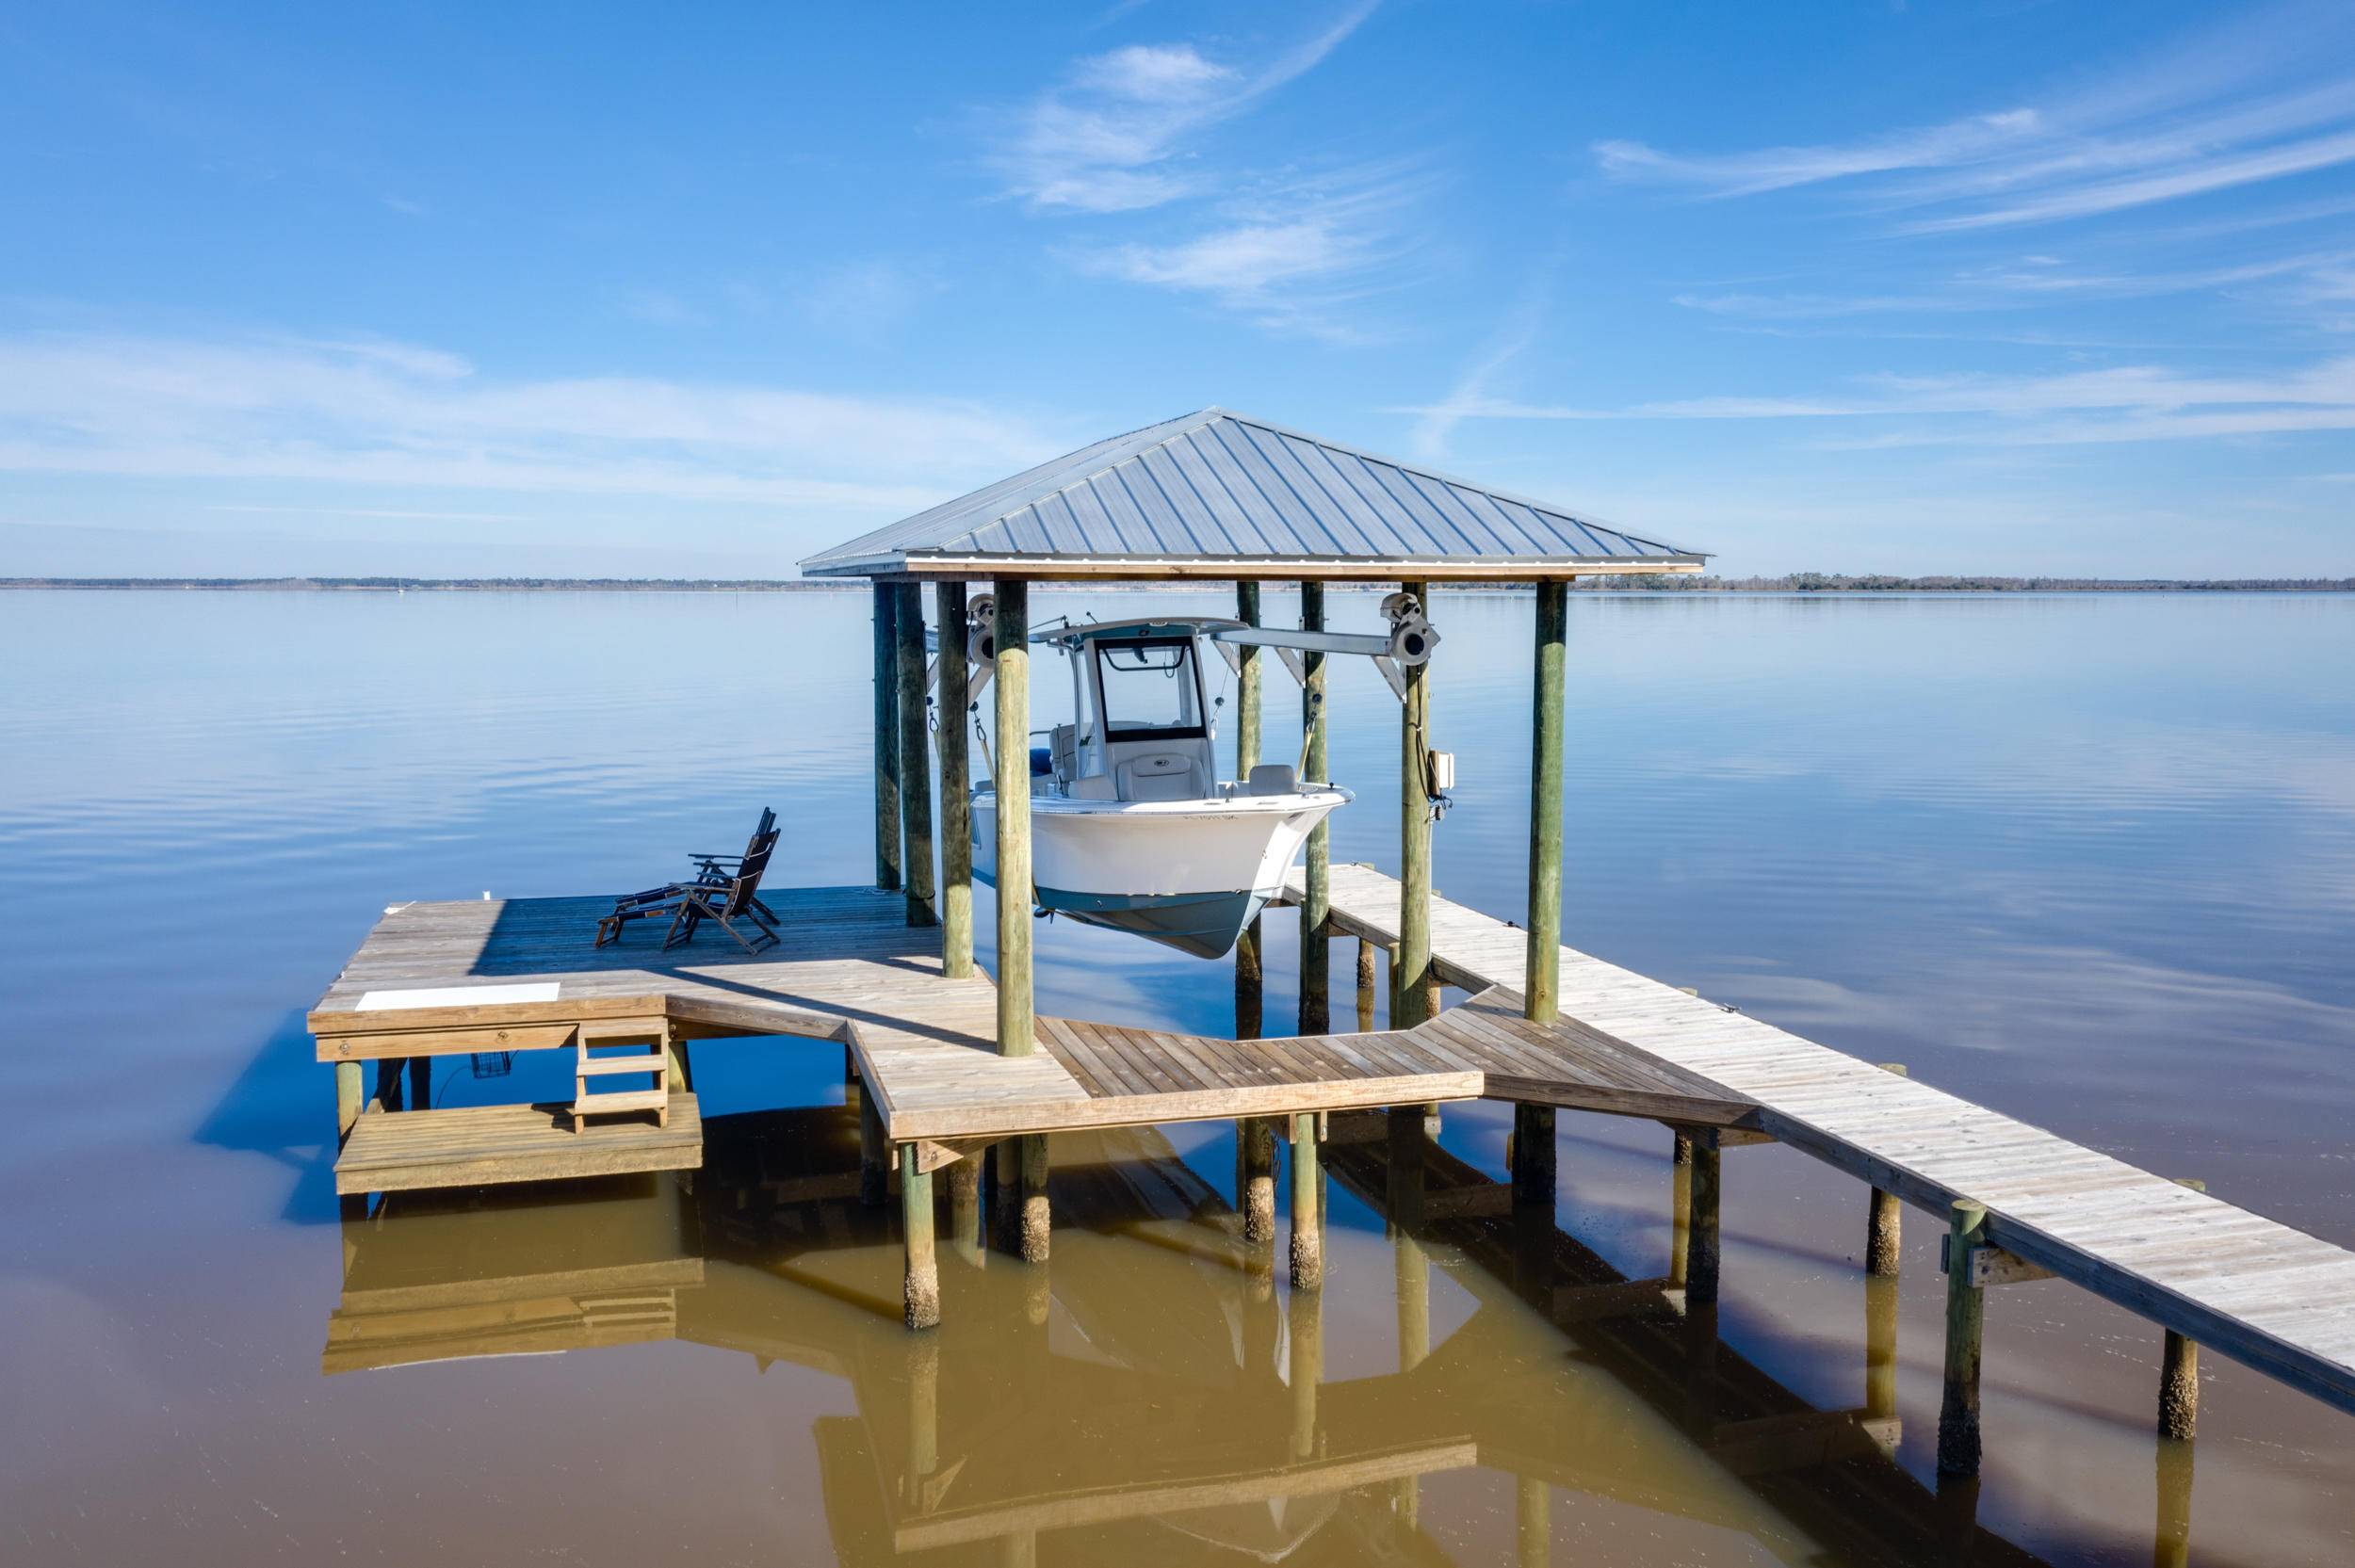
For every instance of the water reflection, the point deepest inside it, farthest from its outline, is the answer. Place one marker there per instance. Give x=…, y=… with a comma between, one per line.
x=1152, y=1395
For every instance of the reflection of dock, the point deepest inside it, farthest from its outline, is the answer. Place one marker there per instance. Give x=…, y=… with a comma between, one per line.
x=1129, y=1393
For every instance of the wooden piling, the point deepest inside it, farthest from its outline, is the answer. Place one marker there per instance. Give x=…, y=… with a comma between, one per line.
x=1679, y=1207
x=346, y=1099
x=956, y=786
x=886, y=738
x=920, y=1291
x=1412, y=985
x=421, y=1083
x=1250, y=980
x=1884, y=1218
x=1703, y=1249
x=1017, y=1020
x=1966, y=1323
x=2178, y=1375
x=1365, y=986
x=1032, y=1218
x=965, y=1209
x=1404, y=1179
x=1255, y=1179
x=1534, y=1157
x=1541, y=988
x=916, y=763
x=678, y=1068
x=1316, y=904
x=874, y=1155
x=388, y=1077
x=1308, y=1249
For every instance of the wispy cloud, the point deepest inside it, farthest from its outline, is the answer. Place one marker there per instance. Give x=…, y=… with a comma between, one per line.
x=2259, y=99
x=1290, y=252
x=2127, y=403
x=402, y=417
x=1117, y=133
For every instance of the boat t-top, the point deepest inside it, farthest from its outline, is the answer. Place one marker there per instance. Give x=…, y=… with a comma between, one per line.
x=1132, y=827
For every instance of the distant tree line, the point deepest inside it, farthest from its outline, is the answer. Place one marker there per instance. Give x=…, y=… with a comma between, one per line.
x=1797, y=582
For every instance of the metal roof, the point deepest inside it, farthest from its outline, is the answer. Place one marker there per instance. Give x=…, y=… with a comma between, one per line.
x=1222, y=494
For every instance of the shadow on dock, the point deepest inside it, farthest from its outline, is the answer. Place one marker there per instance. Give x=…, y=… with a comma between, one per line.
x=1135, y=1403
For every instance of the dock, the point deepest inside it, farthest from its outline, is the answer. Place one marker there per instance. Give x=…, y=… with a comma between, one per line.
x=852, y=971
x=953, y=1072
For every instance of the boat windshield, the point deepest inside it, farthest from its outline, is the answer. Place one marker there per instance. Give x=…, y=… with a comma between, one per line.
x=1151, y=691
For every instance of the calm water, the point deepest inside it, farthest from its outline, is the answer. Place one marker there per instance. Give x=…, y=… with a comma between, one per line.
x=2091, y=860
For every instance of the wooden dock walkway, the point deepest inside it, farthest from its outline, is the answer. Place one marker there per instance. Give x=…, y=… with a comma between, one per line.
x=522, y=973
x=2270, y=1296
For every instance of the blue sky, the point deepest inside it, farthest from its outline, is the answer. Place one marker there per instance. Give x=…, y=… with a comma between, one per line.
x=2017, y=287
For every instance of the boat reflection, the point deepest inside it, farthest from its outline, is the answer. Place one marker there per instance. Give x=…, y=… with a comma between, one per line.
x=1152, y=1394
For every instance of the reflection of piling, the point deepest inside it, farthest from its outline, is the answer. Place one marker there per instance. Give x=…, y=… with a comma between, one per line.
x=1304, y=1311
x=923, y=1414
x=1880, y=1348
x=1532, y=1523
x=1957, y=1510
x=1966, y=1323
x=2172, y=1544
x=1308, y=1248
x=1316, y=906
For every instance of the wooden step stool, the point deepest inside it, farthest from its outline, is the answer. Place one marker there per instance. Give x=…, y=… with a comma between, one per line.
x=653, y=1058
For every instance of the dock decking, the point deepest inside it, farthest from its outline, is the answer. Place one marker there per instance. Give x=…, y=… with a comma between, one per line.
x=851, y=970
x=2259, y=1292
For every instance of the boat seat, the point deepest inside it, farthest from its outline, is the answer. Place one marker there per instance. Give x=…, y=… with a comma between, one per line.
x=1272, y=778
x=1162, y=776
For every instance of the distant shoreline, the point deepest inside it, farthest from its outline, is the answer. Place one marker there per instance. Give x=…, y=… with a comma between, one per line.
x=1799, y=582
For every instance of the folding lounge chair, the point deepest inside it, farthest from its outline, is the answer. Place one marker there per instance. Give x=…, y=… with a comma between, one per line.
x=721, y=893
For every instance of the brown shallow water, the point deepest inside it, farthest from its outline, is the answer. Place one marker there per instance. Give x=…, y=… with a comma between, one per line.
x=2087, y=860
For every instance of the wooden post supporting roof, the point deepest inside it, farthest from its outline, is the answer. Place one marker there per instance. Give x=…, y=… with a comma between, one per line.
x=1017, y=1021
x=886, y=739
x=1316, y=905
x=1412, y=984
x=1541, y=989
x=916, y=763
x=956, y=791
x=1250, y=975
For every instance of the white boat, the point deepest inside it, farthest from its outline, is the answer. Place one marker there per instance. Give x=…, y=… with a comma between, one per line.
x=1131, y=827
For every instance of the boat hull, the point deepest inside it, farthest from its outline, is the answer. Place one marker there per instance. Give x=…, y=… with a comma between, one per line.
x=1188, y=874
